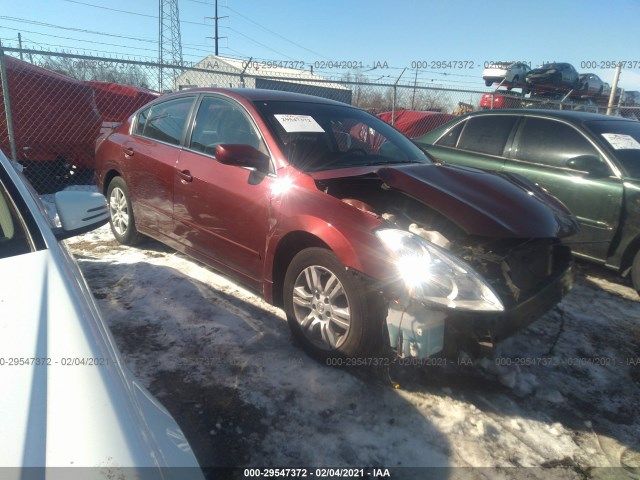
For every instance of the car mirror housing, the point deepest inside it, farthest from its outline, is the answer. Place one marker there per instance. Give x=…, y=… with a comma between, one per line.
x=242, y=156
x=79, y=212
x=590, y=164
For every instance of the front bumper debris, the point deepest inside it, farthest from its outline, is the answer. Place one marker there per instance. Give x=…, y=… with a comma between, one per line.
x=420, y=330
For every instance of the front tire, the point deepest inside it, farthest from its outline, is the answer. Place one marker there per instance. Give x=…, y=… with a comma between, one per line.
x=331, y=311
x=121, y=219
x=635, y=272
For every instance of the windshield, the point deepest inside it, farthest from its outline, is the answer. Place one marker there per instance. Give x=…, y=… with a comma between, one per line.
x=317, y=137
x=624, y=138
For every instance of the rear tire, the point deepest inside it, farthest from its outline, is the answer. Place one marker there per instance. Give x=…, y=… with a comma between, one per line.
x=331, y=312
x=121, y=219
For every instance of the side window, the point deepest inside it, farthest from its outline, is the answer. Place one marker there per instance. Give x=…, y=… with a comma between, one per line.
x=220, y=121
x=167, y=120
x=450, y=138
x=551, y=143
x=13, y=236
x=487, y=134
x=141, y=121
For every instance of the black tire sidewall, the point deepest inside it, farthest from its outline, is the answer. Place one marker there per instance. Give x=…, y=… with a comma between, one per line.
x=131, y=236
x=635, y=272
x=365, y=323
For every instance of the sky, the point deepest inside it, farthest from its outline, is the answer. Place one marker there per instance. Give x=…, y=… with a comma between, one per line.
x=447, y=41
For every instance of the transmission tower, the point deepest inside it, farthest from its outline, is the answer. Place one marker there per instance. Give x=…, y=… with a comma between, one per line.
x=169, y=39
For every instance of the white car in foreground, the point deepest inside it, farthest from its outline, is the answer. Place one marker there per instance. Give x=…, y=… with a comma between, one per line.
x=68, y=399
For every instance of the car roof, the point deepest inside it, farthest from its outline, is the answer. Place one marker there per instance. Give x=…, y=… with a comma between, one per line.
x=258, y=94
x=569, y=115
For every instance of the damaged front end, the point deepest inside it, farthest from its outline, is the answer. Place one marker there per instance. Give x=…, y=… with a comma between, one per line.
x=518, y=281
x=478, y=256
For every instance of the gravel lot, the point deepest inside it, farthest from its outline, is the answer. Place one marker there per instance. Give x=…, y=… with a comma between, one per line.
x=564, y=393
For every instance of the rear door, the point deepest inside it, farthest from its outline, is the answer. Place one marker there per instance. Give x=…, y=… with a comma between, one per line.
x=221, y=211
x=541, y=149
x=151, y=154
x=479, y=142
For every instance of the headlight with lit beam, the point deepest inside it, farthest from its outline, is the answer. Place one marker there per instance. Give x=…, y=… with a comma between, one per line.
x=431, y=274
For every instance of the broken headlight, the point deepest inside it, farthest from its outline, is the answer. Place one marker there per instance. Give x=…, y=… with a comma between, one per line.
x=432, y=274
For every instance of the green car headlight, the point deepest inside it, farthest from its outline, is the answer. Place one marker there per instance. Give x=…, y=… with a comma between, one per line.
x=432, y=274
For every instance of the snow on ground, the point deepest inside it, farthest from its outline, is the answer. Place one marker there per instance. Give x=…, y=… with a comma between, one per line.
x=564, y=393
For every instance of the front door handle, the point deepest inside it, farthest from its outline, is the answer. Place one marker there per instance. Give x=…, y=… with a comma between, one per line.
x=128, y=151
x=185, y=176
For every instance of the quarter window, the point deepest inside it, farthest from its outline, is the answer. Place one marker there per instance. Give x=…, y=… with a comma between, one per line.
x=487, y=134
x=551, y=143
x=450, y=138
x=141, y=121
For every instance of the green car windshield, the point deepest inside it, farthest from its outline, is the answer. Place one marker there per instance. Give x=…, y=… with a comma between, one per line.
x=317, y=136
x=624, y=138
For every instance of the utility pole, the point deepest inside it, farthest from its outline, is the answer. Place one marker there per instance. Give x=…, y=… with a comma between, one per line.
x=216, y=18
x=20, y=45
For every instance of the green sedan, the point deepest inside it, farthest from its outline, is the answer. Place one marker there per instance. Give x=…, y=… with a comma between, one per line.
x=591, y=162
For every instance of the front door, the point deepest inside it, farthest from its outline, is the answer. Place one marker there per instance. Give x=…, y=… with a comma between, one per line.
x=221, y=211
x=541, y=151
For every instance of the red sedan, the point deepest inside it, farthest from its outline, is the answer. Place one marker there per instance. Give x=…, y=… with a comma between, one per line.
x=327, y=211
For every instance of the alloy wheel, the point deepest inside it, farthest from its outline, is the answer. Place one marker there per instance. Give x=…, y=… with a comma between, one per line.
x=321, y=307
x=119, y=211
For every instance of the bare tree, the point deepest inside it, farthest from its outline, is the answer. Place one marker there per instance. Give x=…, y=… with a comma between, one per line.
x=98, y=71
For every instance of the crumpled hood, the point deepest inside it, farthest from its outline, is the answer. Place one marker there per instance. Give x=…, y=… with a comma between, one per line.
x=484, y=203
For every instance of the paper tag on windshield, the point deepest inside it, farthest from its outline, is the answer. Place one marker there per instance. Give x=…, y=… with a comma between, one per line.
x=298, y=123
x=622, y=142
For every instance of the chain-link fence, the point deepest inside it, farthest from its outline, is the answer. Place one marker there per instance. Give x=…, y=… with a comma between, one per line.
x=54, y=105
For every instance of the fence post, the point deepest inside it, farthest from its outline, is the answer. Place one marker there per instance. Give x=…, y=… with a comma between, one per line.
x=614, y=87
x=395, y=92
x=7, y=105
x=393, y=107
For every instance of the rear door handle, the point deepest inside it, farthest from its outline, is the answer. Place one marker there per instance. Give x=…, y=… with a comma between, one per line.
x=185, y=176
x=128, y=151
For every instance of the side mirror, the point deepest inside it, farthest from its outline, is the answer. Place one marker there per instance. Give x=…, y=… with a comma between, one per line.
x=242, y=156
x=79, y=212
x=590, y=164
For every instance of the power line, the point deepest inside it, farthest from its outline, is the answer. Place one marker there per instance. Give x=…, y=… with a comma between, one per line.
x=261, y=44
x=78, y=40
x=274, y=33
x=131, y=13
x=81, y=30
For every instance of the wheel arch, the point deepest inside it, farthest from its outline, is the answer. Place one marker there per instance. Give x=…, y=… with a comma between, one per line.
x=629, y=253
x=310, y=232
x=110, y=175
x=287, y=248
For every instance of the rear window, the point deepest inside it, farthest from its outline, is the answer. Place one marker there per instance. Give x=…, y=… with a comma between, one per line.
x=166, y=121
x=487, y=134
